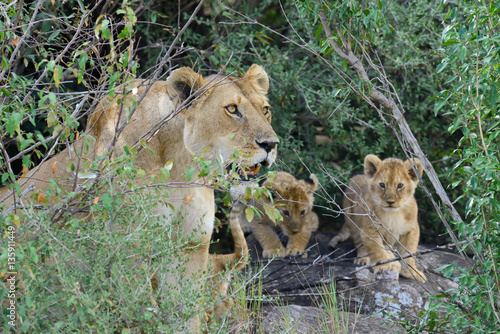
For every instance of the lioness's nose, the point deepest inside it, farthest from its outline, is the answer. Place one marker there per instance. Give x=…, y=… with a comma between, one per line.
x=267, y=145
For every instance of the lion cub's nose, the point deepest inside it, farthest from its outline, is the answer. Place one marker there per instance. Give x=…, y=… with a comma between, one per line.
x=390, y=201
x=267, y=145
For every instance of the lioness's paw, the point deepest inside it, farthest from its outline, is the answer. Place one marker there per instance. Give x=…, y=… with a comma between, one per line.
x=270, y=252
x=413, y=274
x=362, y=260
x=292, y=251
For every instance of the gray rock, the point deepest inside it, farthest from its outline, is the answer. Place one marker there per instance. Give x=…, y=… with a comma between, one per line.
x=307, y=319
x=370, y=298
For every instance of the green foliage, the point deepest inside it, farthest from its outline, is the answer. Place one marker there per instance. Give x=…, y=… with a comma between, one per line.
x=82, y=258
x=470, y=50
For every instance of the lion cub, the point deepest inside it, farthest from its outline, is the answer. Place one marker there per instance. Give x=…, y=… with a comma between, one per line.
x=294, y=199
x=387, y=189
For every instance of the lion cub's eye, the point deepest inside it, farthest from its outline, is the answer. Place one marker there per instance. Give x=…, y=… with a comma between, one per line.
x=286, y=213
x=381, y=185
x=265, y=110
x=303, y=212
x=232, y=109
x=400, y=186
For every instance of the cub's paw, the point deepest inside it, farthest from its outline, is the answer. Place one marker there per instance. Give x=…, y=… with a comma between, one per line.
x=334, y=242
x=393, y=266
x=413, y=274
x=364, y=260
x=292, y=251
x=270, y=252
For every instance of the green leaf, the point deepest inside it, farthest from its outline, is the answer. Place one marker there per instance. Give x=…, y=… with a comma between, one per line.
x=438, y=105
x=13, y=123
x=54, y=35
x=462, y=51
x=493, y=95
x=126, y=32
x=248, y=192
x=50, y=65
x=169, y=164
x=189, y=174
x=144, y=144
x=58, y=75
x=104, y=29
x=272, y=213
x=70, y=167
x=33, y=254
x=447, y=269
x=441, y=66
x=83, y=60
x=26, y=142
x=107, y=200
x=249, y=214
x=474, y=182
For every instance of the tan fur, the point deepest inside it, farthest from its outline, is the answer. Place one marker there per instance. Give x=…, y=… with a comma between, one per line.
x=223, y=265
x=387, y=190
x=203, y=123
x=294, y=199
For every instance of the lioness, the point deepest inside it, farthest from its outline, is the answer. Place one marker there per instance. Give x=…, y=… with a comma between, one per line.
x=294, y=199
x=225, y=114
x=222, y=266
x=387, y=189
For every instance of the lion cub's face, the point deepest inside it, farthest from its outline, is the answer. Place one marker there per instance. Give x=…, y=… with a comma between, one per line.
x=392, y=181
x=228, y=115
x=294, y=198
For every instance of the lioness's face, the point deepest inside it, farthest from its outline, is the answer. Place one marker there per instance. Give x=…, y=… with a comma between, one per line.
x=233, y=115
x=393, y=182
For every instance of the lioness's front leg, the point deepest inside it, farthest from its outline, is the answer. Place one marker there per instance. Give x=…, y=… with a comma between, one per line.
x=269, y=241
x=408, y=244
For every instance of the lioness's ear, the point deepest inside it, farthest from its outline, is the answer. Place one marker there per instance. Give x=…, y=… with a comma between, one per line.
x=259, y=77
x=372, y=164
x=311, y=182
x=410, y=170
x=184, y=81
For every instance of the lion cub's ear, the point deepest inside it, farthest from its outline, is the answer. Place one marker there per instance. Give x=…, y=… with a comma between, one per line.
x=410, y=170
x=372, y=163
x=185, y=82
x=260, y=79
x=311, y=182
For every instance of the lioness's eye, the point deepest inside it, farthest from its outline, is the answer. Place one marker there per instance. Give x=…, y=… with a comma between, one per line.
x=232, y=109
x=381, y=185
x=265, y=110
x=303, y=212
x=286, y=213
x=401, y=186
